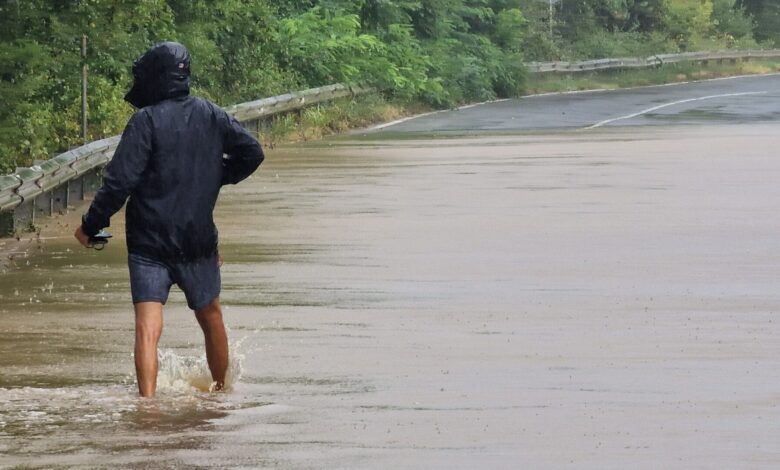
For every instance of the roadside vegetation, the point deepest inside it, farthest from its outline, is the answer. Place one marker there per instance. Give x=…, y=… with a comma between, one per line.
x=336, y=117
x=423, y=53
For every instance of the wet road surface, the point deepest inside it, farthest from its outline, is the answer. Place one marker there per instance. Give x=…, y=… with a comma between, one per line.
x=721, y=101
x=599, y=299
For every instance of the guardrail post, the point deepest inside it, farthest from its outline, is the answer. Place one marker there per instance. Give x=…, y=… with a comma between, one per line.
x=6, y=224
x=256, y=124
x=92, y=181
x=82, y=188
x=43, y=205
x=24, y=215
x=59, y=198
x=75, y=190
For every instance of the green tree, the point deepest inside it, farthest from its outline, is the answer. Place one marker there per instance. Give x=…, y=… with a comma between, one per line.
x=766, y=14
x=685, y=19
x=731, y=19
x=25, y=118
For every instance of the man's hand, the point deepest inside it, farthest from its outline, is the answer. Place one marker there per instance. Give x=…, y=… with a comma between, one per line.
x=82, y=237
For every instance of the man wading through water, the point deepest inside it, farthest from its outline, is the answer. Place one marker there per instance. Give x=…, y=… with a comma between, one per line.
x=170, y=164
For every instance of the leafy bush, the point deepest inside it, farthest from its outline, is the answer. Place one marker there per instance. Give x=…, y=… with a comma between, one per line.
x=620, y=44
x=730, y=19
x=688, y=18
x=25, y=118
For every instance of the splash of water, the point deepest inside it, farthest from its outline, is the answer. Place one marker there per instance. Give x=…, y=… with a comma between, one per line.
x=181, y=383
x=182, y=373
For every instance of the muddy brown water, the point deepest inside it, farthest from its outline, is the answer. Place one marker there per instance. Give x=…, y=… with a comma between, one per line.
x=602, y=299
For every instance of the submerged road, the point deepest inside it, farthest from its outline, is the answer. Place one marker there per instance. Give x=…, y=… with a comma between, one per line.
x=416, y=298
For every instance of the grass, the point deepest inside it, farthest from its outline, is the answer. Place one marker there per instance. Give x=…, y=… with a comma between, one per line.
x=336, y=117
x=671, y=73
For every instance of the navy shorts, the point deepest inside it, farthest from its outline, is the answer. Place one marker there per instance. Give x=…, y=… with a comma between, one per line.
x=151, y=280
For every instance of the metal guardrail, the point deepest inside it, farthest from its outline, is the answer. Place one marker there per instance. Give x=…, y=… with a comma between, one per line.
x=50, y=186
x=28, y=183
x=253, y=110
x=652, y=61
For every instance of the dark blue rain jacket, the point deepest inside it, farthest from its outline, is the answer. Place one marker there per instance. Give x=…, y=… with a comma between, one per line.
x=170, y=163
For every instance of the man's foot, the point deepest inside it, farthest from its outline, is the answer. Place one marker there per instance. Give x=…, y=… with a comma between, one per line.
x=216, y=387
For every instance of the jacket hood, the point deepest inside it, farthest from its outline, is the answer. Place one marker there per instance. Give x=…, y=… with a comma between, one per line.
x=161, y=73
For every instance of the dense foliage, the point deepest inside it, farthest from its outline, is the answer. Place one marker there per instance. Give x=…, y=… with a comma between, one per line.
x=441, y=52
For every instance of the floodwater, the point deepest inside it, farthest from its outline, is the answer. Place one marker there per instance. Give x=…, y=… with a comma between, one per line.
x=586, y=299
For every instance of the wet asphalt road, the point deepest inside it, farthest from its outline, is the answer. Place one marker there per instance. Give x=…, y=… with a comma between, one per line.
x=727, y=101
x=559, y=299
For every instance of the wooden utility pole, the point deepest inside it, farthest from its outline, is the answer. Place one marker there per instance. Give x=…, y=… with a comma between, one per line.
x=84, y=88
x=550, y=21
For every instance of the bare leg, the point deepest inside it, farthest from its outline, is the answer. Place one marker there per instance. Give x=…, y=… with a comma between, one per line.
x=148, y=327
x=210, y=319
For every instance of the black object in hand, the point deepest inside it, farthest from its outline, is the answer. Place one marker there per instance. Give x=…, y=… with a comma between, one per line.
x=100, y=239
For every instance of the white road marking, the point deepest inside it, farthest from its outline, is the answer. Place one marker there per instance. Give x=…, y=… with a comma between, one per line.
x=399, y=121
x=467, y=106
x=674, y=103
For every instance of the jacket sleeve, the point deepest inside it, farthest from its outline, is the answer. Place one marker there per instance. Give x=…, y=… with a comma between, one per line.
x=244, y=153
x=122, y=173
